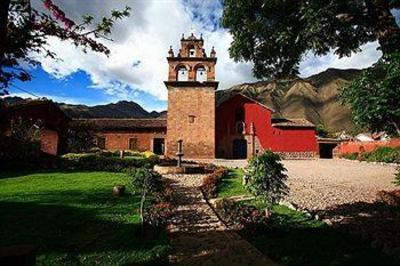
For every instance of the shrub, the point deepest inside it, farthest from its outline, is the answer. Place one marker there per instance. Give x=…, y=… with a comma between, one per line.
x=157, y=214
x=97, y=162
x=246, y=218
x=210, y=182
x=145, y=182
x=351, y=156
x=383, y=154
x=397, y=178
x=267, y=178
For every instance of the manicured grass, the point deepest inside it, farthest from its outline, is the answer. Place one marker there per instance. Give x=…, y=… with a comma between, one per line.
x=295, y=239
x=231, y=184
x=74, y=219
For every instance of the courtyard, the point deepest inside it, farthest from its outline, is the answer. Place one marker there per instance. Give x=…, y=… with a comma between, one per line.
x=71, y=216
x=324, y=183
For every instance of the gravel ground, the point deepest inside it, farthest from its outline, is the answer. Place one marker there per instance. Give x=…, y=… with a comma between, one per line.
x=324, y=183
x=321, y=184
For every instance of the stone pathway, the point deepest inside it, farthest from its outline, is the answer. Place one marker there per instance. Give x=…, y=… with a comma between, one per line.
x=198, y=237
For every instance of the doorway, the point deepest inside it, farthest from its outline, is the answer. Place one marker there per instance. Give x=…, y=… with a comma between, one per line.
x=158, y=146
x=240, y=149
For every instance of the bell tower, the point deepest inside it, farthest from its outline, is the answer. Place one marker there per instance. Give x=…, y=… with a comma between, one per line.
x=191, y=99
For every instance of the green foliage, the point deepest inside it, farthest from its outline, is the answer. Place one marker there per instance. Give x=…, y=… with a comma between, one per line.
x=79, y=137
x=211, y=182
x=267, y=178
x=22, y=144
x=25, y=31
x=145, y=182
x=352, y=156
x=276, y=35
x=232, y=184
x=375, y=95
x=381, y=154
x=322, y=131
x=74, y=219
x=97, y=162
x=397, y=178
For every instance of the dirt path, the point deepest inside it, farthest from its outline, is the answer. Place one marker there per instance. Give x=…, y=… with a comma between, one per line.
x=197, y=235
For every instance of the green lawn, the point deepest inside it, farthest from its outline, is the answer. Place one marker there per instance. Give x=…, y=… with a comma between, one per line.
x=231, y=184
x=296, y=239
x=74, y=219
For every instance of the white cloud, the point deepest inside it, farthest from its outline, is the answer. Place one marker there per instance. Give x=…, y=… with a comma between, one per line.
x=312, y=64
x=138, y=54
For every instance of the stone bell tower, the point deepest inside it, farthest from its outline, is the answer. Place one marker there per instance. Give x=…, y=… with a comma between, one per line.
x=191, y=100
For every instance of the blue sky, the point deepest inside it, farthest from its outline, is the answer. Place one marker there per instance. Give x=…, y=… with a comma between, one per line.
x=137, y=67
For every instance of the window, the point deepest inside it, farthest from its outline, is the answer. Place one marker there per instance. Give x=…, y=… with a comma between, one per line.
x=201, y=74
x=183, y=74
x=192, y=51
x=101, y=142
x=133, y=144
x=240, y=126
x=191, y=118
x=239, y=115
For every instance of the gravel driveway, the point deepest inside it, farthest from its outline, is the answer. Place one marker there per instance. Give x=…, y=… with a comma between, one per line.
x=320, y=184
x=324, y=183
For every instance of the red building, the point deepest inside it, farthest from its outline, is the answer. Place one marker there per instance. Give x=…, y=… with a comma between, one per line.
x=245, y=127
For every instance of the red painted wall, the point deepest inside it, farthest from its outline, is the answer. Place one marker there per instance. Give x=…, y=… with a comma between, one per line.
x=357, y=147
x=294, y=140
x=277, y=139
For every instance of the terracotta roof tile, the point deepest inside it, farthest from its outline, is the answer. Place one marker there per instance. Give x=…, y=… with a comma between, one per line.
x=285, y=122
x=125, y=123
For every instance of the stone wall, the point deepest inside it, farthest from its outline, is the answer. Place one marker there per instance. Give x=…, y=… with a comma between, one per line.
x=191, y=118
x=359, y=147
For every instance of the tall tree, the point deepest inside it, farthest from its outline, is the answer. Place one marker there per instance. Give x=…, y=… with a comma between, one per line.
x=374, y=96
x=276, y=34
x=24, y=30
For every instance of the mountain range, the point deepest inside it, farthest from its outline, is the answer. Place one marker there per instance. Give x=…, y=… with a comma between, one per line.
x=314, y=98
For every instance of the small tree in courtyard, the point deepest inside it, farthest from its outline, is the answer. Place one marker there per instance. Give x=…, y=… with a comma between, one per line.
x=145, y=181
x=267, y=178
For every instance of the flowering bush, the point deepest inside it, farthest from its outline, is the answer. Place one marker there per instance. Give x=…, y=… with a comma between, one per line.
x=246, y=218
x=157, y=215
x=210, y=182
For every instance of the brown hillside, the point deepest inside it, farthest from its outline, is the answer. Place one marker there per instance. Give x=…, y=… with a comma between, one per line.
x=314, y=98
